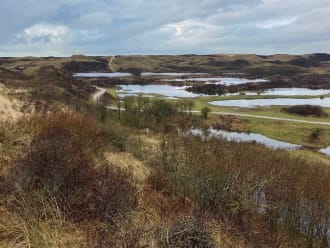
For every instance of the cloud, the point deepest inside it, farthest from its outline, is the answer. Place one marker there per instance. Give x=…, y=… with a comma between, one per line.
x=45, y=32
x=94, y=20
x=277, y=22
x=164, y=26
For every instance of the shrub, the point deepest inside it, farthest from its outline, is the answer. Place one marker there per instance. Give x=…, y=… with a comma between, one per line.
x=130, y=232
x=306, y=110
x=60, y=161
x=184, y=233
x=315, y=134
x=159, y=181
x=249, y=186
x=204, y=112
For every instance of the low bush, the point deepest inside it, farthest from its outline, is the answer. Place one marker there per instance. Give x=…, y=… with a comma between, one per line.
x=248, y=187
x=184, y=233
x=61, y=162
x=305, y=110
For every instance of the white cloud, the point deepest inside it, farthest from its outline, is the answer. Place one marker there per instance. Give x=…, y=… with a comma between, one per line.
x=277, y=22
x=164, y=26
x=45, y=32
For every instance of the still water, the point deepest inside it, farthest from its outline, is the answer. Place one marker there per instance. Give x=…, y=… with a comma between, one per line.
x=245, y=103
x=219, y=80
x=247, y=137
x=164, y=90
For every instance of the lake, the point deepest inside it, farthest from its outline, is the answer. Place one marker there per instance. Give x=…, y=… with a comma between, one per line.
x=291, y=92
x=246, y=103
x=179, y=91
x=247, y=137
x=102, y=75
x=164, y=90
x=219, y=80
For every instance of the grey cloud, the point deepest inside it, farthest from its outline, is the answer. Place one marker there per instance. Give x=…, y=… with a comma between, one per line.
x=164, y=26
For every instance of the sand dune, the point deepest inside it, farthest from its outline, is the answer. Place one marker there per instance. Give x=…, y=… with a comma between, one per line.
x=9, y=108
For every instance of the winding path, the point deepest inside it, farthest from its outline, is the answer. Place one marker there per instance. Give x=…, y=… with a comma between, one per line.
x=98, y=94
x=101, y=91
x=272, y=118
x=110, y=63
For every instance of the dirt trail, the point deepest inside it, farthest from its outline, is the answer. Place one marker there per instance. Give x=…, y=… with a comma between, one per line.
x=98, y=94
x=110, y=63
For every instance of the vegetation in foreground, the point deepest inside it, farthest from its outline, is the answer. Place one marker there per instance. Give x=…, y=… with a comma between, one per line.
x=77, y=175
x=201, y=192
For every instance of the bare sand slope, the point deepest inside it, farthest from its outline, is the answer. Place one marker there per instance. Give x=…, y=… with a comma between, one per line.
x=9, y=108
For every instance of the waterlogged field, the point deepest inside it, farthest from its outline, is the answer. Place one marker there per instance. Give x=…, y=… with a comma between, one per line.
x=253, y=103
x=268, y=102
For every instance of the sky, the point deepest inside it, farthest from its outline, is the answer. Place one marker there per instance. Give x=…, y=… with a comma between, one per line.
x=112, y=27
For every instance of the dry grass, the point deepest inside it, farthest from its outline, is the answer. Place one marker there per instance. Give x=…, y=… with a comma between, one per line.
x=129, y=163
x=24, y=229
x=9, y=108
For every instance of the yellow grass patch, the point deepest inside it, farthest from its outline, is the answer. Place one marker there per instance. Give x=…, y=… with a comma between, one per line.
x=128, y=162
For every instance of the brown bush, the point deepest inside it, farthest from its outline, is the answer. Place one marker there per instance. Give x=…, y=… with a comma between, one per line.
x=306, y=110
x=132, y=231
x=268, y=196
x=61, y=160
x=184, y=233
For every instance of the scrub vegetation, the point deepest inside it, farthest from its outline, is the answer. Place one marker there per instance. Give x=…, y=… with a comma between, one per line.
x=74, y=173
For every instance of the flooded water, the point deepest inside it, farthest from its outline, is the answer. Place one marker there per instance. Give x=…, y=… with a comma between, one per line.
x=169, y=74
x=291, y=92
x=102, y=75
x=219, y=80
x=325, y=151
x=179, y=91
x=164, y=90
x=245, y=103
x=247, y=137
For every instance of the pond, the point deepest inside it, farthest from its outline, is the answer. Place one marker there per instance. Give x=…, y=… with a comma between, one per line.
x=246, y=103
x=179, y=91
x=246, y=137
x=325, y=151
x=291, y=92
x=219, y=80
x=164, y=90
x=102, y=75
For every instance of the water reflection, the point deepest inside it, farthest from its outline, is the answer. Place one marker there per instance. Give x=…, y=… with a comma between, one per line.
x=164, y=90
x=246, y=137
x=291, y=92
x=248, y=103
x=325, y=150
x=219, y=80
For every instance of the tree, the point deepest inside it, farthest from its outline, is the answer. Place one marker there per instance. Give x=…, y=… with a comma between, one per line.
x=204, y=112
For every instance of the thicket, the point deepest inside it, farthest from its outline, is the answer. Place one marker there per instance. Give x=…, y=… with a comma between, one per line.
x=185, y=232
x=306, y=110
x=60, y=178
x=157, y=114
x=266, y=196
